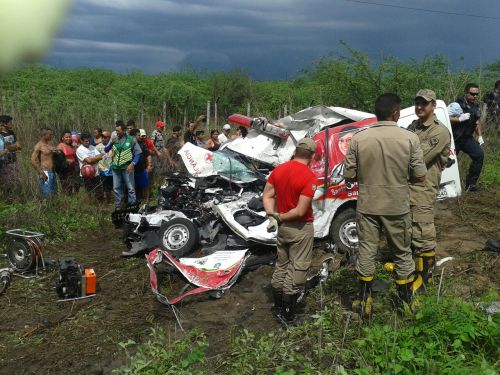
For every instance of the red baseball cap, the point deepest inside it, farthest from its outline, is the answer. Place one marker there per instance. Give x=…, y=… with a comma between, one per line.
x=161, y=124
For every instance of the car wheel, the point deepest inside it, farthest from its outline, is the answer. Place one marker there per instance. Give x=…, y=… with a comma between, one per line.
x=179, y=237
x=344, y=232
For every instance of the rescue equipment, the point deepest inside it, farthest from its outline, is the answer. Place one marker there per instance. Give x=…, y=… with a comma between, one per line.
x=24, y=250
x=74, y=281
x=260, y=123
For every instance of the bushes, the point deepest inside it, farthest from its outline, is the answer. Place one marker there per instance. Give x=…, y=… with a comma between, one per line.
x=450, y=337
x=61, y=218
x=85, y=98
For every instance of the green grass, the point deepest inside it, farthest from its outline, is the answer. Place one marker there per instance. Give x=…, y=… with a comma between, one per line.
x=490, y=175
x=60, y=219
x=163, y=355
x=447, y=336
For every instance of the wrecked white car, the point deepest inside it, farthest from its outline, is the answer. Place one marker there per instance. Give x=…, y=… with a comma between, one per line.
x=335, y=202
x=220, y=200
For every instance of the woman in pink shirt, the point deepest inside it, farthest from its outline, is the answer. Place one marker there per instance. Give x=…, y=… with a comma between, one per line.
x=70, y=181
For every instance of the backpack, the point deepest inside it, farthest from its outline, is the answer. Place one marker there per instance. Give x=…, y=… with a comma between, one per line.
x=61, y=166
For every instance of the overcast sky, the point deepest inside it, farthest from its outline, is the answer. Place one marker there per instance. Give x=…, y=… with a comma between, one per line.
x=271, y=39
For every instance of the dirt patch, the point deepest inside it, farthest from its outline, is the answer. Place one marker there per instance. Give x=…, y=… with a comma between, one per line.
x=464, y=225
x=40, y=336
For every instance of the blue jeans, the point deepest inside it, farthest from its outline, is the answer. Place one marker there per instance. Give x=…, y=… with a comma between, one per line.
x=121, y=178
x=48, y=187
x=470, y=146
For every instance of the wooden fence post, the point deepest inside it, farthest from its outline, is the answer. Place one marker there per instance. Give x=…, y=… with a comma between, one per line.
x=115, y=115
x=208, y=113
x=142, y=112
x=185, y=111
x=216, y=120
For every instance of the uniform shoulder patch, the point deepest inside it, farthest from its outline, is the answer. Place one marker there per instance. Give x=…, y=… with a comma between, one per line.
x=433, y=141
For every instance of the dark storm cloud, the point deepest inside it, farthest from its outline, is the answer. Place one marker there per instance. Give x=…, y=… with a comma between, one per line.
x=270, y=39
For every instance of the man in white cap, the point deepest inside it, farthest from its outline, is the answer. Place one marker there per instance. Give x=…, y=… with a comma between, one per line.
x=287, y=199
x=224, y=136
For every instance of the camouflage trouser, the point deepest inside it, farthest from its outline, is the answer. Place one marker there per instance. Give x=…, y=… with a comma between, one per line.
x=423, y=230
x=398, y=233
x=295, y=248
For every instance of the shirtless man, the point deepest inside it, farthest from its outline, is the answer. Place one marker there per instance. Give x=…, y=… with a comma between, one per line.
x=42, y=161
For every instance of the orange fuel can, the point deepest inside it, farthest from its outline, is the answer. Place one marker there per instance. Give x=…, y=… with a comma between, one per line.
x=90, y=281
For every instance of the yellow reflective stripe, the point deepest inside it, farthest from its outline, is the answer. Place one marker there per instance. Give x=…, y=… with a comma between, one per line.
x=419, y=264
x=365, y=278
x=122, y=157
x=405, y=281
x=427, y=254
x=419, y=281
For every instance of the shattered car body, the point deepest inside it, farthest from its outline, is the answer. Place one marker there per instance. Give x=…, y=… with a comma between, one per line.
x=186, y=216
x=335, y=201
x=230, y=182
x=219, y=205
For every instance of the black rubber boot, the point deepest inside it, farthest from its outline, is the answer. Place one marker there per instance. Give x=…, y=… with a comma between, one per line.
x=278, y=302
x=424, y=265
x=363, y=305
x=289, y=308
x=493, y=245
x=405, y=293
x=407, y=289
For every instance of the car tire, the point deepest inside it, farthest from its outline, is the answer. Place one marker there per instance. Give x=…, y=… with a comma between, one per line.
x=343, y=231
x=179, y=237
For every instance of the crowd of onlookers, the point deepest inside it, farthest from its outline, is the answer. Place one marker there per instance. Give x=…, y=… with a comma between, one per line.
x=122, y=163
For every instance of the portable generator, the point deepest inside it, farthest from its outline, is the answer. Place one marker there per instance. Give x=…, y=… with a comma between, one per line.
x=74, y=280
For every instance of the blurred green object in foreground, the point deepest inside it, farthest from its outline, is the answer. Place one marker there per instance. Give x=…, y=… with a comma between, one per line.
x=27, y=28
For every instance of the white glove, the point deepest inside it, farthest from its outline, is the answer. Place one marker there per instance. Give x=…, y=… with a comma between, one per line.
x=480, y=140
x=464, y=117
x=273, y=224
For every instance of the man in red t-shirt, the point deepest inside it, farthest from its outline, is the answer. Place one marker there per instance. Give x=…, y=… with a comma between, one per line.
x=149, y=143
x=287, y=200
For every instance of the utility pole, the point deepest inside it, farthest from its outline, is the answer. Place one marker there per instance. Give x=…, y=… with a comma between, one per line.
x=248, y=108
